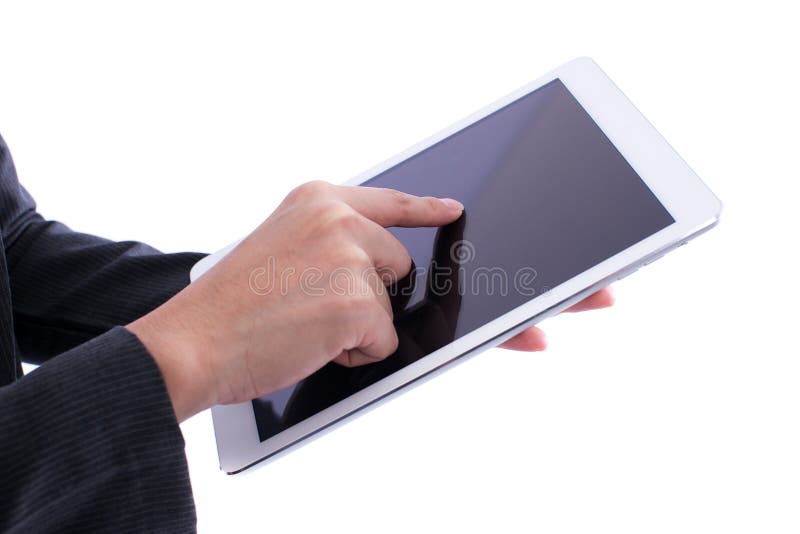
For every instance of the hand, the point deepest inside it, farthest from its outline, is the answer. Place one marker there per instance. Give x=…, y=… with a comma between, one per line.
x=253, y=324
x=533, y=338
x=226, y=339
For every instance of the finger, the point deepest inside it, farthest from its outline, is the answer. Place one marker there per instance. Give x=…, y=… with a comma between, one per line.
x=390, y=258
x=529, y=340
x=354, y=358
x=372, y=287
x=389, y=207
x=382, y=297
x=379, y=341
x=602, y=299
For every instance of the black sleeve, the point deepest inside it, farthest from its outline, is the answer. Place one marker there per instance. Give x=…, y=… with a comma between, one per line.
x=68, y=287
x=90, y=443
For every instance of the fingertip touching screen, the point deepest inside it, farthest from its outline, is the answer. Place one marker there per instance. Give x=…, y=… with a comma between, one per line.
x=546, y=196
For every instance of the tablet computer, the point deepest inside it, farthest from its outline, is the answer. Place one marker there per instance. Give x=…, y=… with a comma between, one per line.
x=566, y=188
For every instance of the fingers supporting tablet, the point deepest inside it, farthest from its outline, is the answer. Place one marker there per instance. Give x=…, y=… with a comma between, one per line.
x=533, y=339
x=602, y=299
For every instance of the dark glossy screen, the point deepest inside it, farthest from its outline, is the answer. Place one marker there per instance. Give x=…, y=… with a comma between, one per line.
x=546, y=197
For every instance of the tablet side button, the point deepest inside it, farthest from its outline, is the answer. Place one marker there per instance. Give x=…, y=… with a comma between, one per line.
x=648, y=262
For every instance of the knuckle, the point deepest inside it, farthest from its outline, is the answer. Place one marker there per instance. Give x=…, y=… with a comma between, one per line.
x=310, y=190
x=398, y=197
x=351, y=256
x=394, y=343
x=333, y=217
x=401, y=201
x=344, y=219
x=405, y=262
x=390, y=340
x=398, y=259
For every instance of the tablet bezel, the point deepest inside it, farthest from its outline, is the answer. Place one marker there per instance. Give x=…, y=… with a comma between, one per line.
x=693, y=206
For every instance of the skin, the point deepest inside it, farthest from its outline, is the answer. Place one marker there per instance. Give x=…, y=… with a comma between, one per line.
x=226, y=339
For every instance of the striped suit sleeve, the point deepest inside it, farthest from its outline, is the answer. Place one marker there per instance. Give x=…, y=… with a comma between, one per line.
x=89, y=443
x=68, y=287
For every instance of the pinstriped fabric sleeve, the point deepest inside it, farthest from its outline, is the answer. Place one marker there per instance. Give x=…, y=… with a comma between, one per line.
x=89, y=443
x=68, y=287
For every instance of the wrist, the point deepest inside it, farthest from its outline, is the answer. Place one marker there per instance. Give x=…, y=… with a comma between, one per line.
x=182, y=359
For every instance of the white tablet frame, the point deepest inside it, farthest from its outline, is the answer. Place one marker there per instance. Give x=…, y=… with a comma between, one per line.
x=693, y=206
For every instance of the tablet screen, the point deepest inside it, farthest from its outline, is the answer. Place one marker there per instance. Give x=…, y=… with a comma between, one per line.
x=546, y=197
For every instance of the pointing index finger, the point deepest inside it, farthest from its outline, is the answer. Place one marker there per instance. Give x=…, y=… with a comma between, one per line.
x=389, y=207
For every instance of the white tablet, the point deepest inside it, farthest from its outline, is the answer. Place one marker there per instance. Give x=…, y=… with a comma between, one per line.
x=566, y=188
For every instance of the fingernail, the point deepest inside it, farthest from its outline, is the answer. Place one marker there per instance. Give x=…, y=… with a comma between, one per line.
x=452, y=204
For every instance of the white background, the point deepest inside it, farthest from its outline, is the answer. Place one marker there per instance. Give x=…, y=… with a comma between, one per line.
x=182, y=124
